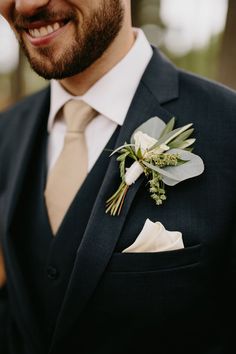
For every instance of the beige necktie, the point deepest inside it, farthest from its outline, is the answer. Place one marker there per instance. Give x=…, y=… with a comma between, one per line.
x=71, y=168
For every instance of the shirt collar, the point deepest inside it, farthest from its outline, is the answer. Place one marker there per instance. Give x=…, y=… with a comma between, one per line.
x=111, y=95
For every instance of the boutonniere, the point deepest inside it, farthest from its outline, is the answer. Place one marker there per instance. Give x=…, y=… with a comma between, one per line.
x=162, y=153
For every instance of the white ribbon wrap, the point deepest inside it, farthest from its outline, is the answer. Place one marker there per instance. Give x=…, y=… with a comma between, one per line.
x=133, y=173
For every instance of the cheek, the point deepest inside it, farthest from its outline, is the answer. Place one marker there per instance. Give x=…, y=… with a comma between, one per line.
x=85, y=6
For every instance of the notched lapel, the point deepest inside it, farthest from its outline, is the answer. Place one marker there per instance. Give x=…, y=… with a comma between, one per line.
x=103, y=230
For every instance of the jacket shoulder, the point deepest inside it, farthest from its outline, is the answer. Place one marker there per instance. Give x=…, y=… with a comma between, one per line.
x=205, y=90
x=23, y=105
x=13, y=117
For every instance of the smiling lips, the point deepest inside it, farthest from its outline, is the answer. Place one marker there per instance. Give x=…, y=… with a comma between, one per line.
x=42, y=34
x=44, y=30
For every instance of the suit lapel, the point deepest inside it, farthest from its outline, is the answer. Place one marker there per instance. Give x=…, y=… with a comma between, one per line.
x=103, y=230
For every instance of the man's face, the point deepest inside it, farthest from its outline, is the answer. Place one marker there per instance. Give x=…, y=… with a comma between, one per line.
x=62, y=38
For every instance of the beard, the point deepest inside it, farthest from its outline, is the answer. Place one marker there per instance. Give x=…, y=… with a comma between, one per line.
x=91, y=39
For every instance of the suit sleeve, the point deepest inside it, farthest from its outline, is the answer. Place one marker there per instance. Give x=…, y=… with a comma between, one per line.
x=233, y=268
x=232, y=289
x=3, y=320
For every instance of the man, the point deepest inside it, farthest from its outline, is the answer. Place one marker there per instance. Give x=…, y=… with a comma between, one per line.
x=67, y=285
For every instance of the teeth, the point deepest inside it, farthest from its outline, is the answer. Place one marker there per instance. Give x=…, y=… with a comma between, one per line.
x=56, y=26
x=44, y=31
x=50, y=29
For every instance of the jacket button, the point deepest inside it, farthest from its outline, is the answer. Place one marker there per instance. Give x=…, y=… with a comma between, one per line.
x=52, y=272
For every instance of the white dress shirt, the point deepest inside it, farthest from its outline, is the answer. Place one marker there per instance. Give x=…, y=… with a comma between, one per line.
x=111, y=96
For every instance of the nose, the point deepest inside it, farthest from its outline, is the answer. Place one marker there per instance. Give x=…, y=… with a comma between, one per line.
x=29, y=7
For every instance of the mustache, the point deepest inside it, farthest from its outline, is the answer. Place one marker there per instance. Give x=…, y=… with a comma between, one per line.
x=21, y=22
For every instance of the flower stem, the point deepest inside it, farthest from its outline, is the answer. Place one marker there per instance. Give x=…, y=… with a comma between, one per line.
x=123, y=199
x=115, y=203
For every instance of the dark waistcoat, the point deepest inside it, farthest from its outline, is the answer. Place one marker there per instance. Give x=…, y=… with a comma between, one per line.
x=46, y=261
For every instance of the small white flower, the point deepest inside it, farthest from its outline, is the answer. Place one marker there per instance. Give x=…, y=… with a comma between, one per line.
x=145, y=142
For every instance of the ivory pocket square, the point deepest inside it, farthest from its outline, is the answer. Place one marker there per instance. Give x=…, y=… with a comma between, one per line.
x=155, y=238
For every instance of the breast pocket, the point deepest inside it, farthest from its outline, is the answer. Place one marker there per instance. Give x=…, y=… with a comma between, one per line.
x=151, y=286
x=156, y=261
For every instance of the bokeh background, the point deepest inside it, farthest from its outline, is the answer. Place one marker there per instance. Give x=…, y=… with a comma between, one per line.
x=197, y=35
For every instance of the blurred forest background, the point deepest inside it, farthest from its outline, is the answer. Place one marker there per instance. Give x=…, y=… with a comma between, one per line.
x=197, y=35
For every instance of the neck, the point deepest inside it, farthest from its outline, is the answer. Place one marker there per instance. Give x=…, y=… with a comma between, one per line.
x=77, y=85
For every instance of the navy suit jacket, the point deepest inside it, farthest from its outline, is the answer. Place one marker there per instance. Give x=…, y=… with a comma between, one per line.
x=178, y=301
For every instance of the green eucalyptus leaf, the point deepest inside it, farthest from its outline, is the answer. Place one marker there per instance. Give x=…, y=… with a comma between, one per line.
x=193, y=166
x=182, y=144
x=169, y=127
x=187, y=143
x=161, y=171
x=120, y=148
x=174, y=174
x=170, y=136
x=175, y=145
x=185, y=135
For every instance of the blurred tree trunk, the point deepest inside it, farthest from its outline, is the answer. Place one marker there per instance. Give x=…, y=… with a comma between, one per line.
x=17, y=79
x=227, y=69
x=145, y=11
x=146, y=14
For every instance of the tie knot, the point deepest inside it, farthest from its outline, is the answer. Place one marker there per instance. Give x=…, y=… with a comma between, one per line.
x=77, y=115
